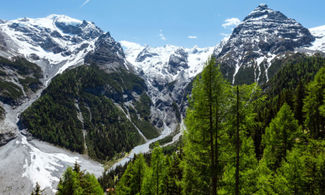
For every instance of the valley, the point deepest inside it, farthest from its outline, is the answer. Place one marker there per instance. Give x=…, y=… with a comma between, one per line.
x=71, y=93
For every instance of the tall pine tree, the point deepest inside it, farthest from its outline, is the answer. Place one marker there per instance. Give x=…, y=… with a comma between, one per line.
x=204, y=122
x=314, y=105
x=280, y=136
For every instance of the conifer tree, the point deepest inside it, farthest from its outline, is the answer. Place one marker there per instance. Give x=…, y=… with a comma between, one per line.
x=132, y=179
x=204, y=122
x=240, y=171
x=290, y=178
x=280, y=136
x=154, y=176
x=75, y=181
x=314, y=105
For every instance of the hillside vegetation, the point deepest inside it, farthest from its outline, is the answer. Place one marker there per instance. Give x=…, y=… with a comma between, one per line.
x=235, y=144
x=79, y=111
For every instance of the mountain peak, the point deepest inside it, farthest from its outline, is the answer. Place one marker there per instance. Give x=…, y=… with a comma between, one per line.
x=264, y=12
x=63, y=19
x=262, y=6
x=263, y=34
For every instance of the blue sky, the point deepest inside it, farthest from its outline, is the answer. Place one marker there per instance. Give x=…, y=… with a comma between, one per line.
x=160, y=22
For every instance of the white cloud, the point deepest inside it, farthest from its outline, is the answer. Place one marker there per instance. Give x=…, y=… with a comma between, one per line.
x=192, y=37
x=224, y=34
x=162, y=36
x=230, y=22
x=85, y=2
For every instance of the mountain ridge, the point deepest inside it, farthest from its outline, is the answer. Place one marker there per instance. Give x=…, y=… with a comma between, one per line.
x=61, y=46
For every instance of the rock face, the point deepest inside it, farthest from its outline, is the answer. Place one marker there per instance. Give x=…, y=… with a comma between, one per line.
x=54, y=43
x=167, y=71
x=261, y=36
x=108, y=54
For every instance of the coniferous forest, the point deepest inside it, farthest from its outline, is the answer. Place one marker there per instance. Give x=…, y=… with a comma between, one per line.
x=240, y=139
x=144, y=98
x=231, y=146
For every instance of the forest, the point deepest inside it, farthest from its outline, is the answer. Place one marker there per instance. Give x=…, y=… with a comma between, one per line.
x=78, y=111
x=244, y=140
x=240, y=139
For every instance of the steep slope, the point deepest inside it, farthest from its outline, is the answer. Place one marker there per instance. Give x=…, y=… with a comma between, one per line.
x=19, y=80
x=100, y=108
x=167, y=71
x=54, y=43
x=83, y=110
x=319, y=43
x=261, y=36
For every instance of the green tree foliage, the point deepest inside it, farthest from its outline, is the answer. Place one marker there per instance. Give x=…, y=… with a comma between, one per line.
x=29, y=77
x=291, y=175
x=281, y=135
x=89, y=91
x=247, y=97
x=265, y=179
x=288, y=72
x=132, y=179
x=225, y=127
x=155, y=175
x=204, y=122
x=172, y=181
x=314, y=105
x=76, y=182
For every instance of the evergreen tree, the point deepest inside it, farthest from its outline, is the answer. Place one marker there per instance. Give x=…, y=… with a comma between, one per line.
x=173, y=176
x=298, y=103
x=132, y=179
x=314, y=156
x=77, y=182
x=280, y=136
x=265, y=179
x=290, y=178
x=240, y=171
x=314, y=105
x=70, y=183
x=154, y=176
x=204, y=125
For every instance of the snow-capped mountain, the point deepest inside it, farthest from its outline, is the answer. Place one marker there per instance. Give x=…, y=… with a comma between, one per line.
x=57, y=43
x=54, y=43
x=319, y=43
x=256, y=41
x=167, y=71
x=167, y=62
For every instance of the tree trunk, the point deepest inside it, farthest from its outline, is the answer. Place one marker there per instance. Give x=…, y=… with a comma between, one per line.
x=213, y=167
x=237, y=147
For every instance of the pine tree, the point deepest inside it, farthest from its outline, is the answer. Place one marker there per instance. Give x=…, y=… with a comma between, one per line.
x=172, y=180
x=298, y=103
x=314, y=105
x=314, y=156
x=204, y=125
x=240, y=171
x=132, y=179
x=75, y=181
x=290, y=178
x=265, y=179
x=280, y=136
x=154, y=176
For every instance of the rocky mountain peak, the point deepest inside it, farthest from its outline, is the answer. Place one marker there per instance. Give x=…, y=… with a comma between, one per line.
x=263, y=11
x=262, y=35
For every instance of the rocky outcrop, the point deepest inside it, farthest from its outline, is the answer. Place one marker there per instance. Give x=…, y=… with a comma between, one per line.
x=108, y=54
x=255, y=42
